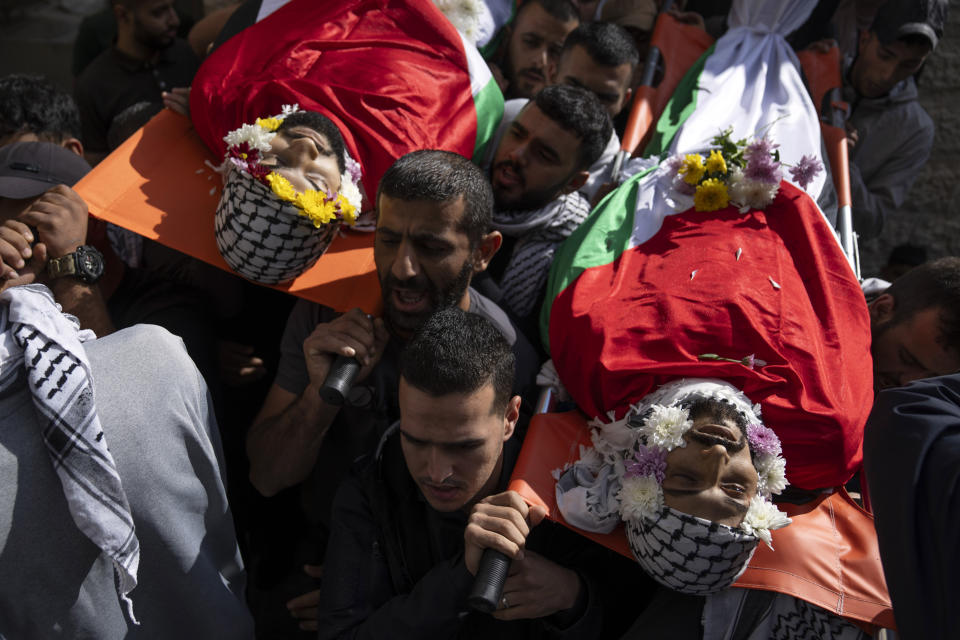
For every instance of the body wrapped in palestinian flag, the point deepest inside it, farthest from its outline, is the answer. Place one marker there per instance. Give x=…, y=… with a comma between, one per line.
x=394, y=76
x=648, y=284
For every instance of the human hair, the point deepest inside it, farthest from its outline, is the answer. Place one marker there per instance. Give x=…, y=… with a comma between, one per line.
x=579, y=111
x=459, y=352
x=562, y=10
x=715, y=408
x=932, y=285
x=607, y=43
x=32, y=104
x=322, y=125
x=442, y=176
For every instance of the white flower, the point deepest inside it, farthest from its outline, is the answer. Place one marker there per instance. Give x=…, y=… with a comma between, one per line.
x=665, y=426
x=640, y=497
x=754, y=194
x=254, y=135
x=350, y=191
x=762, y=517
x=288, y=110
x=773, y=474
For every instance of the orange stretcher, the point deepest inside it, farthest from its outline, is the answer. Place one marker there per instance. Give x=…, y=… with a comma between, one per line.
x=157, y=183
x=836, y=559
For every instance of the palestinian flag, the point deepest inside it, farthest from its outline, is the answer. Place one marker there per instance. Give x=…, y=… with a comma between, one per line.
x=648, y=285
x=394, y=76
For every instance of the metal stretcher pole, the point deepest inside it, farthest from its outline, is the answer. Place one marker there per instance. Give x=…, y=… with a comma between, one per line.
x=641, y=112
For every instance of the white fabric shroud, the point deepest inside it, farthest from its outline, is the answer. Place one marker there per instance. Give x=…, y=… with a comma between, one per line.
x=751, y=82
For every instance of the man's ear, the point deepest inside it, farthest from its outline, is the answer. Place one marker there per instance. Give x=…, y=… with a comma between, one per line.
x=74, y=145
x=627, y=95
x=485, y=250
x=578, y=180
x=881, y=309
x=510, y=417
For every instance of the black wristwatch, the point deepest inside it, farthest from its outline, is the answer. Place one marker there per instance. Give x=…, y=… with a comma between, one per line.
x=86, y=263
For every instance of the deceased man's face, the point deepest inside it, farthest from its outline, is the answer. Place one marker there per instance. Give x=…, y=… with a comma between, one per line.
x=713, y=476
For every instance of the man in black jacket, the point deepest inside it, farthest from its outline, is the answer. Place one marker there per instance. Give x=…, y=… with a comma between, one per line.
x=911, y=452
x=411, y=522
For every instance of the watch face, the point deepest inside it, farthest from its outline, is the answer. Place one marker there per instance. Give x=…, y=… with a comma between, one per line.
x=89, y=263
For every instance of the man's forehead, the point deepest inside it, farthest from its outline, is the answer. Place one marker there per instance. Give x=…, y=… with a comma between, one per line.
x=533, y=18
x=905, y=51
x=550, y=132
x=924, y=341
x=449, y=418
x=420, y=216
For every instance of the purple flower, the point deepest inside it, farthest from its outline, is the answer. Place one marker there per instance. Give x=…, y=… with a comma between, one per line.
x=763, y=169
x=805, y=170
x=763, y=441
x=759, y=150
x=752, y=361
x=648, y=461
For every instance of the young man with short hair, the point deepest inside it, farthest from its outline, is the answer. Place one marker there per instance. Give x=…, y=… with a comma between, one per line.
x=915, y=324
x=540, y=163
x=889, y=131
x=535, y=39
x=33, y=110
x=412, y=520
x=146, y=60
x=600, y=57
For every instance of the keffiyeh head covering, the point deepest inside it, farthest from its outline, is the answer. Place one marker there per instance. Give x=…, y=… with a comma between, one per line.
x=266, y=230
x=37, y=337
x=620, y=478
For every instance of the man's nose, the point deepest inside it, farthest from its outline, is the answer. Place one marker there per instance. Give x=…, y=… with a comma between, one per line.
x=518, y=156
x=716, y=457
x=438, y=466
x=405, y=264
x=304, y=149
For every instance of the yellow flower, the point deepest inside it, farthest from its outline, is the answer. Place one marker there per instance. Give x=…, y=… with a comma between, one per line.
x=347, y=210
x=692, y=168
x=716, y=163
x=270, y=124
x=711, y=195
x=281, y=187
x=316, y=206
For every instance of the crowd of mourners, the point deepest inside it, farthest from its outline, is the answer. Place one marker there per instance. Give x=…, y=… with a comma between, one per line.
x=171, y=461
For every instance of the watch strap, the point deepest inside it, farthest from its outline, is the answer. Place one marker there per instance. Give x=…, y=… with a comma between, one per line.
x=62, y=266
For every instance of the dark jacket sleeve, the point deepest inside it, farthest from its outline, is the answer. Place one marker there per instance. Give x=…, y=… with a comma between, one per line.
x=912, y=460
x=357, y=595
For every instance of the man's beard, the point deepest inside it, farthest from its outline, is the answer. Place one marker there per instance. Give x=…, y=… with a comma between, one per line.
x=401, y=323
x=153, y=41
x=530, y=200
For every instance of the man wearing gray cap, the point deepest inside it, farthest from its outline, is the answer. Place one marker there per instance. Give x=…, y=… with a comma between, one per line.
x=890, y=134
x=43, y=228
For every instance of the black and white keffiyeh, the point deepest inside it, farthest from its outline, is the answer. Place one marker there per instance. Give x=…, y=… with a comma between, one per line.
x=37, y=337
x=690, y=554
x=728, y=614
x=539, y=232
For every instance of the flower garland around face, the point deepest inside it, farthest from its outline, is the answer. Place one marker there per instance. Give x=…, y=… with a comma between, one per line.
x=745, y=173
x=245, y=149
x=645, y=464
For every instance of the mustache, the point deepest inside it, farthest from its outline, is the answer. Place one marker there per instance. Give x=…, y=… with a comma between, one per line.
x=417, y=283
x=710, y=440
x=534, y=71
